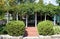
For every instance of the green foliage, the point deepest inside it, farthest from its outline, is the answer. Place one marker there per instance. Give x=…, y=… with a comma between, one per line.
x=57, y=10
x=2, y=29
x=37, y=7
x=50, y=9
x=15, y=28
x=40, y=1
x=45, y=28
x=12, y=2
x=56, y=29
x=58, y=1
x=29, y=7
x=1, y=2
x=1, y=8
x=1, y=16
x=26, y=9
x=1, y=12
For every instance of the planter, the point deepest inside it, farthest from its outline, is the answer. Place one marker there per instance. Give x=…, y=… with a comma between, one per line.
x=55, y=36
x=4, y=36
x=14, y=37
x=31, y=37
x=49, y=37
x=44, y=37
x=21, y=37
x=10, y=37
x=0, y=37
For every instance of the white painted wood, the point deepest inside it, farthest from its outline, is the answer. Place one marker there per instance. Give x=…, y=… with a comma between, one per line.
x=45, y=17
x=7, y=16
x=17, y=16
x=35, y=19
x=26, y=20
x=36, y=37
x=54, y=19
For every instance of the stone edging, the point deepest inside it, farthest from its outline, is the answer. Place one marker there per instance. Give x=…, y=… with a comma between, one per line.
x=21, y=37
x=10, y=37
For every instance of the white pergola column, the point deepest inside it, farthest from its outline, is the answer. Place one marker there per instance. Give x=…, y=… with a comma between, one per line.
x=17, y=16
x=26, y=20
x=45, y=17
x=7, y=16
x=54, y=19
x=35, y=19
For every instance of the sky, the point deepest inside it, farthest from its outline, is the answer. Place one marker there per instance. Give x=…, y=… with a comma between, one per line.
x=51, y=1
x=47, y=2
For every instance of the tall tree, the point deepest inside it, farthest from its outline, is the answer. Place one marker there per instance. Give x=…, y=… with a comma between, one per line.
x=7, y=8
x=41, y=2
x=58, y=1
x=14, y=4
x=2, y=2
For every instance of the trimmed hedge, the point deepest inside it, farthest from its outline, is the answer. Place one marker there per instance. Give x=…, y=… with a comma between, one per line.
x=45, y=28
x=15, y=28
x=56, y=29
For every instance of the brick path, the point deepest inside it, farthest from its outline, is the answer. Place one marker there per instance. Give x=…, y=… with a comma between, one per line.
x=31, y=32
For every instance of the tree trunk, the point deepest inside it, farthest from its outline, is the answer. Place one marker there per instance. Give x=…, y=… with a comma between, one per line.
x=26, y=20
x=45, y=17
x=35, y=19
x=17, y=16
x=54, y=19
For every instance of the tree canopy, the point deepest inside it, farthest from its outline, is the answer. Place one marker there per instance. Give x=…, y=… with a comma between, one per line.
x=29, y=8
x=58, y=1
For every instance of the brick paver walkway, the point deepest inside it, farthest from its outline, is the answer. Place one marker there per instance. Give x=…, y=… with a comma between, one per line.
x=31, y=32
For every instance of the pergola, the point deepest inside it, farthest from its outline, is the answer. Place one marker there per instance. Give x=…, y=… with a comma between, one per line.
x=35, y=20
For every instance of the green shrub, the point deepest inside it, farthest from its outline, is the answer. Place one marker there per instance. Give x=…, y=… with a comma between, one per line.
x=15, y=28
x=56, y=29
x=45, y=28
x=2, y=29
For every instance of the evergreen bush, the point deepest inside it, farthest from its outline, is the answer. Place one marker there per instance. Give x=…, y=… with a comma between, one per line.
x=56, y=29
x=15, y=28
x=45, y=28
